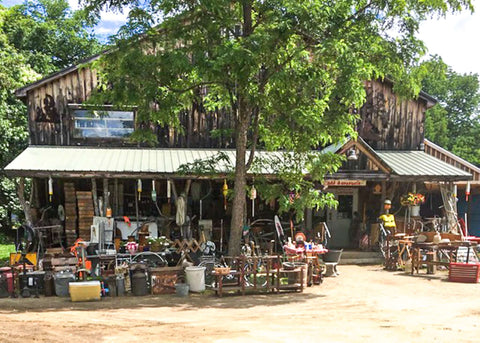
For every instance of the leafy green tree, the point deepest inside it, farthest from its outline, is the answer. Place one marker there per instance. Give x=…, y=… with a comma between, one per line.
x=290, y=71
x=49, y=34
x=36, y=38
x=454, y=122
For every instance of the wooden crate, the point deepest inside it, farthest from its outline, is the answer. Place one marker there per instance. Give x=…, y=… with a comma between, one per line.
x=464, y=272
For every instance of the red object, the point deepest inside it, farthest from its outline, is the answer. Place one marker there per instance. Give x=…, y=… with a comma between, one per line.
x=464, y=272
x=7, y=271
x=473, y=239
x=301, y=250
x=127, y=220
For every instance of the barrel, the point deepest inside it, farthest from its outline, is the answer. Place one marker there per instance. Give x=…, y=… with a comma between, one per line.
x=139, y=283
x=120, y=281
x=49, y=284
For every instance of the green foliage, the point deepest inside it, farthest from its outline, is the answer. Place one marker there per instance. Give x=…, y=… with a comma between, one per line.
x=49, y=35
x=454, y=122
x=35, y=38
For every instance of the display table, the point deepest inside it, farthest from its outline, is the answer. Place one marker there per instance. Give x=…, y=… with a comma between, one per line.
x=432, y=252
x=245, y=274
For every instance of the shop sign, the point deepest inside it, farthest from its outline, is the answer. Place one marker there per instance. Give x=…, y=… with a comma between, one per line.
x=346, y=183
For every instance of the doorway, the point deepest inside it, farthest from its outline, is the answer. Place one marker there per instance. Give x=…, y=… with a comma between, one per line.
x=339, y=220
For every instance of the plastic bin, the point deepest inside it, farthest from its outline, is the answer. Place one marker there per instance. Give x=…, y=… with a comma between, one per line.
x=195, y=278
x=61, y=283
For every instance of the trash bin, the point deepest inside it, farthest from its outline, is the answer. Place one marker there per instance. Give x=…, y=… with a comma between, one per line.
x=62, y=279
x=195, y=278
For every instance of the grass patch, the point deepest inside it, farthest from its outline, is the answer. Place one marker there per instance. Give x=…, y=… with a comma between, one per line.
x=5, y=250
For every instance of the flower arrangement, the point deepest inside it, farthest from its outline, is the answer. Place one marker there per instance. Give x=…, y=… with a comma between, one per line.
x=412, y=199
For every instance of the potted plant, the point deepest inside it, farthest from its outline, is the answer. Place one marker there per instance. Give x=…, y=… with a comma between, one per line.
x=159, y=243
x=413, y=201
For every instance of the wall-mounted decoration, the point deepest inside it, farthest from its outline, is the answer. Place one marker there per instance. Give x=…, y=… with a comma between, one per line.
x=48, y=112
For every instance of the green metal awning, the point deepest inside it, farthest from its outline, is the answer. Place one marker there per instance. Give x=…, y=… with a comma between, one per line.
x=420, y=166
x=68, y=161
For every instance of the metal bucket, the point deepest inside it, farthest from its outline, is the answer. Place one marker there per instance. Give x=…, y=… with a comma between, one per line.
x=181, y=289
x=120, y=286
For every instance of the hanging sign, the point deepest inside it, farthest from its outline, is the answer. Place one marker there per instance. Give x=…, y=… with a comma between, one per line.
x=348, y=183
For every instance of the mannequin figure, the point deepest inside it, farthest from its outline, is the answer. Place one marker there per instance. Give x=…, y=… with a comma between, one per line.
x=388, y=219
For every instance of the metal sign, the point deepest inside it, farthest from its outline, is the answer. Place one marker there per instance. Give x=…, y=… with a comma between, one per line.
x=347, y=183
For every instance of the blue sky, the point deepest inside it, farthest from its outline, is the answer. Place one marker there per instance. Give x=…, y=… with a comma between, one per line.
x=456, y=38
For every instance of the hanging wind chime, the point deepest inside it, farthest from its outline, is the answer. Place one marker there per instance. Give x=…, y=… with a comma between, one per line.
x=50, y=189
x=253, y=196
x=225, y=192
x=169, y=191
x=139, y=189
x=467, y=191
x=154, y=192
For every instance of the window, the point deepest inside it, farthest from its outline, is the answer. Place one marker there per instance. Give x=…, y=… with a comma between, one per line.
x=103, y=123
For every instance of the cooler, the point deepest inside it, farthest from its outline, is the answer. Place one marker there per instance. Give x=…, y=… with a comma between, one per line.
x=85, y=290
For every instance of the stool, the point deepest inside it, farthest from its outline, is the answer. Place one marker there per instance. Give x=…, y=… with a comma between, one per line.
x=331, y=269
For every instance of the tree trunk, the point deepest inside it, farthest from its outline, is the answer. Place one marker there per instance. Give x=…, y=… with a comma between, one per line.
x=238, y=206
x=23, y=202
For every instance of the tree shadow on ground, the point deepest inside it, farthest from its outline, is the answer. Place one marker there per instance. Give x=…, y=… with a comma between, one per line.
x=192, y=302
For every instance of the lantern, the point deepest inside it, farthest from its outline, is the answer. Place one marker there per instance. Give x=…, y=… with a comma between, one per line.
x=467, y=191
x=154, y=192
x=253, y=196
x=50, y=189
x=139, y=188
x=225, y=193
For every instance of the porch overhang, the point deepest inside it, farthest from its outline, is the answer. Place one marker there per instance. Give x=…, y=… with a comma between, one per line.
x=88, y=162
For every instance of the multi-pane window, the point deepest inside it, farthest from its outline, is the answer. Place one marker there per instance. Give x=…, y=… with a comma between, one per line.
x=103, y=123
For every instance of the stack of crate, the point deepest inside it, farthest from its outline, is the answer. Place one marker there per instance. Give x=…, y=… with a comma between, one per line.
x=85, y=214
x=70, y=213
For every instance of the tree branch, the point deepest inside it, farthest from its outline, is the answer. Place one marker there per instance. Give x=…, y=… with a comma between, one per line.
x=256, y=114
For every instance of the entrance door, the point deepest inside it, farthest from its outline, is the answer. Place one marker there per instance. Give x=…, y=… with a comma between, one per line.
x=339, y=220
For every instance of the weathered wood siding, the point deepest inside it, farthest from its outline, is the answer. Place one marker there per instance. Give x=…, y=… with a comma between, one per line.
x=50, y=121
x=389, y=122
x=48, y=113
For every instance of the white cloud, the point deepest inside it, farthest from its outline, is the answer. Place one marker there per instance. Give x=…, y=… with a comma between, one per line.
x=455, y=38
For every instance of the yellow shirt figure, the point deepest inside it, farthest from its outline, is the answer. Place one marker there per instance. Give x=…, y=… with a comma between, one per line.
x=388, y=220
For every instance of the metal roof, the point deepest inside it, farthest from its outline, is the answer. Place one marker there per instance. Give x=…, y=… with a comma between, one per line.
x=419, y=164
x=85, y=161
x=69, y=161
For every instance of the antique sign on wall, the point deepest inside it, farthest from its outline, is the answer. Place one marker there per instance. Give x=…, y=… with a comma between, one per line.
x=345, y=183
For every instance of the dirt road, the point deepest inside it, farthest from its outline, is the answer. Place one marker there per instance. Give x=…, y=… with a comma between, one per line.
x=363, y=304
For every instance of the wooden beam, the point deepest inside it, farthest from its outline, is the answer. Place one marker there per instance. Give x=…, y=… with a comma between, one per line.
x=95, y=197
x=106, y=196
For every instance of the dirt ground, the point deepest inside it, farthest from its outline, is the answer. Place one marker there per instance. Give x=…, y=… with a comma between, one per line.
x=363, y=304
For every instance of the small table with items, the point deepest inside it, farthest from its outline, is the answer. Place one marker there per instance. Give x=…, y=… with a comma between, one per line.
x=432, y=252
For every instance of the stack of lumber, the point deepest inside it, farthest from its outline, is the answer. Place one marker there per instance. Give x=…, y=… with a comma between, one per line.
x=85, y=214
x=70, y=213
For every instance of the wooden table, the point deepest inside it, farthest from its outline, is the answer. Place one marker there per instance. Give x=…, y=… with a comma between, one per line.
x=243, y=267
x=432, y=251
